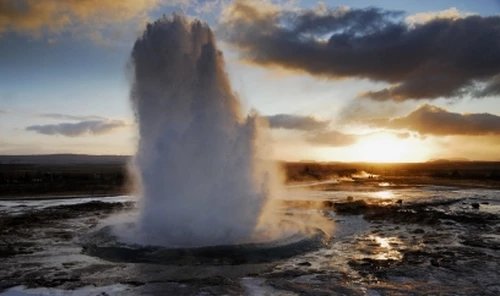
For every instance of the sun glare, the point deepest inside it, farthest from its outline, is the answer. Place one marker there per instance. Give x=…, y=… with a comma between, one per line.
x=386, y=194
x=385, y=148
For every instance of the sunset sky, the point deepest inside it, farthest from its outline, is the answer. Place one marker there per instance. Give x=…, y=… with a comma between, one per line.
x=338, y=80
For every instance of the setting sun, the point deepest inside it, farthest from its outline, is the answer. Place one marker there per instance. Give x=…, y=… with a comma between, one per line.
x=386, y=148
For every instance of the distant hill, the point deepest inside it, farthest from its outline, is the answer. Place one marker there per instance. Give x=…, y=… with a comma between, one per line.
x=445, y=160
x=64, y=159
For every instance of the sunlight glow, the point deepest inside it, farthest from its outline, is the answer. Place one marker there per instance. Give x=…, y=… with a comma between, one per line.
x=386, y=147
x=384, y=248
x=386, y=194
x=383, y=242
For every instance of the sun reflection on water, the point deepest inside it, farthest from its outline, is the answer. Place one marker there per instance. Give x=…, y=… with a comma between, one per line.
x=383, y=242
x=386, y=194
x=381, y=248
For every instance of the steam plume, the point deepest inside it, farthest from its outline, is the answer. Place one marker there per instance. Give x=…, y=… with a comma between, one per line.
x=205, y=180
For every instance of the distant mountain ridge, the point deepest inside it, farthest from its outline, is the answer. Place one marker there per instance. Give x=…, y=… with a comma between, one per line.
x=444, y=160
x=124, y=159
x=64, y=159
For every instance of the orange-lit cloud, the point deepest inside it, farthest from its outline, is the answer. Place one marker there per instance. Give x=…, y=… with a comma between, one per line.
x=35, y=17
x=433, y=120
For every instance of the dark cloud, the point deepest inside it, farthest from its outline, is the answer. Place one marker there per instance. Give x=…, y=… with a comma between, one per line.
x=491, y=88
x=442, y=57
x=432, y=120
x=83, y=128
x=296, y=122
x=332, y=139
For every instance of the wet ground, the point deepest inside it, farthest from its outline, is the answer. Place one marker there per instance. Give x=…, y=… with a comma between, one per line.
x=388, y=240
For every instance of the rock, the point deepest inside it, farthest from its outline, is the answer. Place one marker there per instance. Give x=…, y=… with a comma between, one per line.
x=435, y=262
x=350, y=208
x=399, y=201
x=475, y=205
x=431, y=241
x=327, y=204
x=431, y=221
x=418, y=231
x=490, y=241
x=350, y=198
x=305, y=263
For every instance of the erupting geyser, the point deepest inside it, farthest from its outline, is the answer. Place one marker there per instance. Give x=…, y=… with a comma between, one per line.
x=203, y=169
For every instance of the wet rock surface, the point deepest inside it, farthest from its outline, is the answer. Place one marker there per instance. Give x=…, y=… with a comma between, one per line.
x=443, y=247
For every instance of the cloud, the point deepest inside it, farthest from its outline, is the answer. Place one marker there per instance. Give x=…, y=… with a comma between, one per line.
x=491, y=88
x=403, y=136
x=439, y=57
x=451, y=13
x=54, y=16
x=433, y=120
x=332, y=139
x=59, y=116
x=317, y=132
x=358, y=111
x=296, y=122
x=82, y=128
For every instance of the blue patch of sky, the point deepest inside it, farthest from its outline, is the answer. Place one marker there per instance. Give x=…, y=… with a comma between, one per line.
x=72, y=75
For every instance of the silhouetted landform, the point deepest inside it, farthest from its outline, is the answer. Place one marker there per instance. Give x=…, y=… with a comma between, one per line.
x=451, y=173
x=442, y=160
x=448, y=169
x=54, y=159
x=77, y=179
x=76, y=175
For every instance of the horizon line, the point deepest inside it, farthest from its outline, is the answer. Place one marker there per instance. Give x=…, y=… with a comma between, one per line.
x=305, y=161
